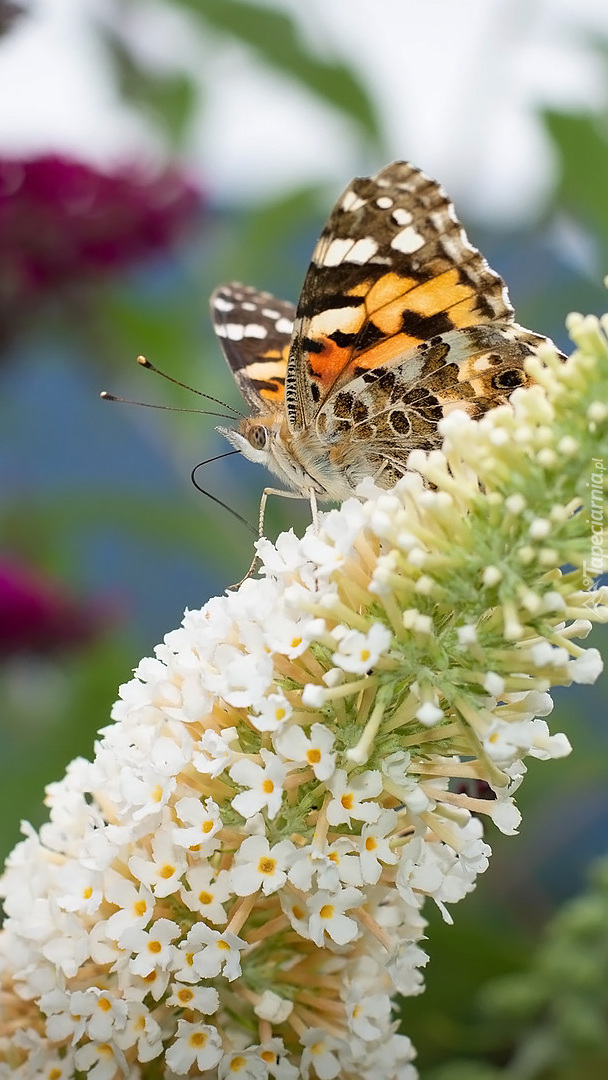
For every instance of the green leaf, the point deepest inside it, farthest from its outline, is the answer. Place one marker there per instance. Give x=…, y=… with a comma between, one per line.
x=581, y=141
x=273, y=35
x=169, y=99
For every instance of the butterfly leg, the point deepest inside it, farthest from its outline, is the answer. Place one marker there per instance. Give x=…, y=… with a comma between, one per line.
x=285, y=495
x=314, y=511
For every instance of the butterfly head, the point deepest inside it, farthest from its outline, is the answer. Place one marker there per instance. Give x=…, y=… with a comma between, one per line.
x=266, y=441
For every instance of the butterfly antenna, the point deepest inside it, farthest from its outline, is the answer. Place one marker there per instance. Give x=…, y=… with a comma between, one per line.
x=214, y=498
x=105, y=396
x=143, y=360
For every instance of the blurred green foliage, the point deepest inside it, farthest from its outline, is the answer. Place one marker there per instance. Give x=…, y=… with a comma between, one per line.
x=581, y=143
x=549, y=1019
x=153, y=519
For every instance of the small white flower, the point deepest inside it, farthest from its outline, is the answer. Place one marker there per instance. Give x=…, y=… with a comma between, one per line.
x=212, y=952
x=200, y=1043
x=271, y=712
x=350, y=795
x=204, y=999
x=214, y=753
x=257, y=865
x=368, y=1014
x=494, y=684
x=242, y=678
x=68, y=947
x=292, y=636
x=404, y=968
x=264, y=784
x=101, y=1061
x=246, y=1064
x=273, y=1053
x=315, y=750
x=147, y=788
x=419, y=871
x=204, y=821
x=104, y=1014
x=153, y=948
x=163, y=871
x=141, y=1030
x=313, y=696
x=207, y=892
x=63, y=1022
x=319, y=1053
x=330, y=865
x=273, y=1008
x=357, y=652
x=327, y=915
x=586, y=668
x=375, y=849
x=505, y=816
x=136, y=904
x=79, y=888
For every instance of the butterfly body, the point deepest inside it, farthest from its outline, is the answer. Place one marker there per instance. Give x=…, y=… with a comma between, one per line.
x=400, y=321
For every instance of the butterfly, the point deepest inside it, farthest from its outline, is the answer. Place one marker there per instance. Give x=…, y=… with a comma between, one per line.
x=400, y=321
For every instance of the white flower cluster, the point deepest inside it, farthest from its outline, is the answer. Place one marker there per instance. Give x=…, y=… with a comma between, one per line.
x=234, y=886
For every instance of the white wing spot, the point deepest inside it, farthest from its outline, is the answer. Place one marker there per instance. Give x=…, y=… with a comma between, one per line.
x=248, y=306
x=262, y=369
x=283, y=326
x=351, y=201
x=440, y=220
x=407, y=241
x=454, y=246
x=270, y=313
x=222, y=305
x=336, y=252
x=401, y=216
x=345, y=250
x=255, y=330
x=384, y=202
x=234, y=331
x=347, y=319
x=362, y=251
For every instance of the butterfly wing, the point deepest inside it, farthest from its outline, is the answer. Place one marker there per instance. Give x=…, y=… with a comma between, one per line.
x=371, y=425
x=254, y=329
x=393, y=268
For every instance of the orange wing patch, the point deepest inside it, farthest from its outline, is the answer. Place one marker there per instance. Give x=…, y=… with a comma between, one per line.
x=391, y=303
x=267, y=374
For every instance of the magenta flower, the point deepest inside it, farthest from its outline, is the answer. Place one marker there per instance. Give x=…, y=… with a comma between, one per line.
x=39, y=616
x=62, y=221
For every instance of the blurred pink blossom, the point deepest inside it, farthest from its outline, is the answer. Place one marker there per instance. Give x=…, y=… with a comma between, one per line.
x=62, y=221
x=38, y=615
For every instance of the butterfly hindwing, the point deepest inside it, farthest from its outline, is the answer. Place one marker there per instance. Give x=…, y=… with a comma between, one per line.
x=383, y=414
x=254, y=329
x=393, y=268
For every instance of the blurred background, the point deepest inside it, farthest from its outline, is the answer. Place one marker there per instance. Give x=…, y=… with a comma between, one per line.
x=152, y=149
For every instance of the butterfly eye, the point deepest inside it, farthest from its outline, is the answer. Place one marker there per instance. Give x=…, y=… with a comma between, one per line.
x=258, y=437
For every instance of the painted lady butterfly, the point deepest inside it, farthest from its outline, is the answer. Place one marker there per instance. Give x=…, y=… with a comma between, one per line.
x=400, y=321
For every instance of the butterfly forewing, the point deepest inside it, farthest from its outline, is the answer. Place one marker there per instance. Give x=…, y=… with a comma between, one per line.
x=254, y=329
x=392, y=268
